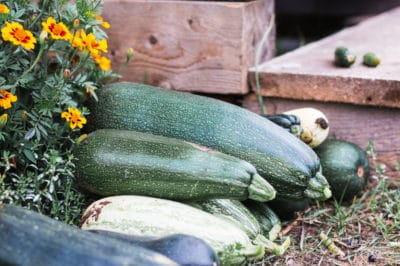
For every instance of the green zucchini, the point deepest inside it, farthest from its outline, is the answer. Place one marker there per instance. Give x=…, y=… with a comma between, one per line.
x=235, y=212
x=286, y=209
x=154, y=217
x=31, y=239
x=269, y=222
x=344, y=57
x=291, y=167
x=232, y=210
x=116, y=162
x=185, y=250
x=289, y=122
x=371, y=60
x=346, y=167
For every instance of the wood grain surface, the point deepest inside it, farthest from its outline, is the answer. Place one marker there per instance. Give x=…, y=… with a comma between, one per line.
x=188, y=45
x=308, y=73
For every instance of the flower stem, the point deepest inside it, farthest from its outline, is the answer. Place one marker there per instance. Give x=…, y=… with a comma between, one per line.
x=32, y=66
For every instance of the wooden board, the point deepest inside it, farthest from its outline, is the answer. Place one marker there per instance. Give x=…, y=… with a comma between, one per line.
x=357, y=124
x=188, y=45
x=308, y=73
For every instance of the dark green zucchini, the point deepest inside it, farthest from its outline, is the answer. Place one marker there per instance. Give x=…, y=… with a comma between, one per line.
x=344, y=57
x=286, y=209
x=126, y=162
x=346, y=167
x=231, y=210
x=287, y=121
x=269, y=222
x=291, y=167
x=237, y=213
x=186, y=250
x=31, y=239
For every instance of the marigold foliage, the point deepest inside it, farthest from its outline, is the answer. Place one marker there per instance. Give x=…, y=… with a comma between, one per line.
x=52, y=58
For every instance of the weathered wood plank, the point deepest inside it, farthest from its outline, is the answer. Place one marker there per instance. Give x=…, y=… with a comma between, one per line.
x=357, y=124
x=308, y=73
x=188, y=45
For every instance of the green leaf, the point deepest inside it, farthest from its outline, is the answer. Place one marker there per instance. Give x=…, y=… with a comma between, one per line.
x=29, y=155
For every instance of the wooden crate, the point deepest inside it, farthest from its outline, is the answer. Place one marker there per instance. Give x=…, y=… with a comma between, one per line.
x=189, y=45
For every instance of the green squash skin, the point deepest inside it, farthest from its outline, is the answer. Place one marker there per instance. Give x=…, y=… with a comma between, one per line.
x=340, y=162
x=233, y=211
x=286, y=209
x=344, y=57
x=31, y=239
x=265, y=216
x=283, y=160
x=118, y=162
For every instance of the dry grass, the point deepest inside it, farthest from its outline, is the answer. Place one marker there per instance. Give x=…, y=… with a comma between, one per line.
x=358, y=232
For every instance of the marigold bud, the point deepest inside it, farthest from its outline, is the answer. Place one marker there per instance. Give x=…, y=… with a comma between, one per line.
x=24, y=115
x=76, y=23
x=3, y=120
x=67, y=73
x=129, y=54
x=43, y=37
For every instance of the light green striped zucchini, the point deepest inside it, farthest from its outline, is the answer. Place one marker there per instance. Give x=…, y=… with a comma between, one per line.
x=154, y=217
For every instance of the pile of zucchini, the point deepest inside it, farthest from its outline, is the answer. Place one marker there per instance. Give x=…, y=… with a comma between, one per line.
x=183, y=180
x=171, y=162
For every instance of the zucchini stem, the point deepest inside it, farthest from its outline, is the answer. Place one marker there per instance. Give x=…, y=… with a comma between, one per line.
x=273, y=247
x=260, y=189
x=318, y=188
x=274, y=232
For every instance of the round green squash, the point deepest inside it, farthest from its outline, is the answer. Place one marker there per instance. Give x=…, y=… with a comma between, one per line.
x=345, y=166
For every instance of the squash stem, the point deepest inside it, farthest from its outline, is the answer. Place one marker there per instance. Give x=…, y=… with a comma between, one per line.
x=318, y=188
x=274, y=232
x=273, y=247
x=260, y=189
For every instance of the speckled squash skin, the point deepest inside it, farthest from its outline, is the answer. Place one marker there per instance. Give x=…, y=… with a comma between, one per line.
x=125, y=162
x=284, y=161
x=345, y=166
x=31, y=239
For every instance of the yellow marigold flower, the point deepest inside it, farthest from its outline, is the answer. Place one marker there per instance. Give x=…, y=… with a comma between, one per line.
x=4, y=9
x=15, y=33
x=3, y=120
x=74, y=118
x=58, y=31
x=103, y=62
x=6, y=98
x=103, y=23
x=94, y=46
x=83, y=41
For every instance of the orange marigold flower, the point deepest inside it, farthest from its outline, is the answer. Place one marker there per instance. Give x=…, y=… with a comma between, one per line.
x=83, y=41
x=103, y=62
x=4, y=9
x=6, y=98
x=95, y=46
x=58, y=31
x=74, y=118
x=15, y=33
